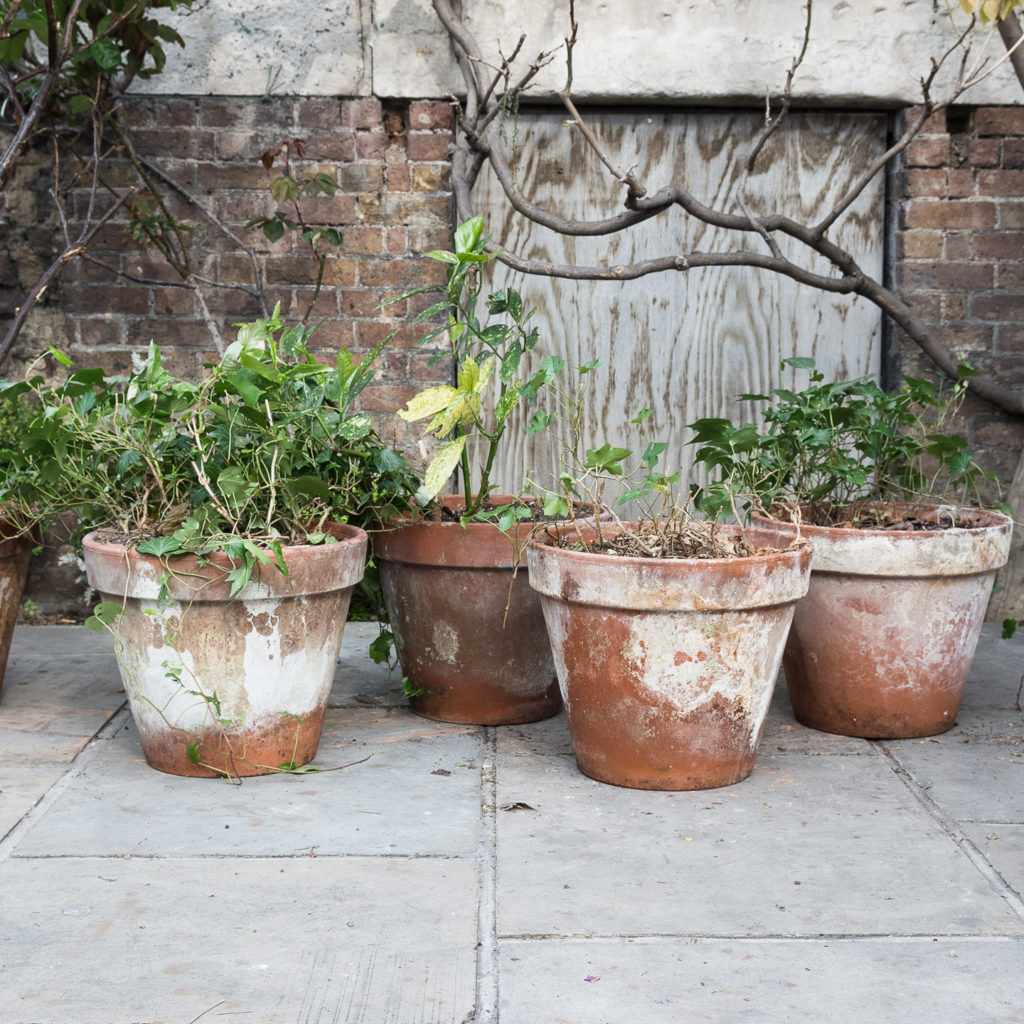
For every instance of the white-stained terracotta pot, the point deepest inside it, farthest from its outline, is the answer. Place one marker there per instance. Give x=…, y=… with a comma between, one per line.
x=220, y=685
x=882, y=644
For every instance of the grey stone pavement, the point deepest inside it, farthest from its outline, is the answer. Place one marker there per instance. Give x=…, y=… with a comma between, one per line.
x=457, y=874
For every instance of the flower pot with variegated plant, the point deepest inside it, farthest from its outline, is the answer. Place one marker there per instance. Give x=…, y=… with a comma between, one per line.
x=468, y=630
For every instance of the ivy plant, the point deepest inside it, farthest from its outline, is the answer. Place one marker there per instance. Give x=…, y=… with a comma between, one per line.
x=262, y=451
x=835, y=447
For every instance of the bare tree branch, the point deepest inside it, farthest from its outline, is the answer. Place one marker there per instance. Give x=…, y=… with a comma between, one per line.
x=479, y=140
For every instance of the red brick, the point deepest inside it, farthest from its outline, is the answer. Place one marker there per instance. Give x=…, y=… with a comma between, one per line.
x=958, y=245
x=430, y=114
x=367, y=241
x=1011, y=276
x=396, y=241
x=398, y=177
x=428, y=146
x=1001, y=183
x=1009, y=338
x=212, y=176
x=1013, y=153
x=173, y=302
x=362, y=113
x=362, y=177
x=387, y=397
x=312, y=305
x=332, y=336
x=319, y=113
x=371, y=145
x=1000, y=245
x=952, y=213
x=954, y=306
x=1011, y=215
x=1000, y=120
x=944, y=275
x=174, y=332
x=359, y=302
x=338, y=146
x=927, y=305
x=1001, y=306
x=984, y=152
x=399, y=274
x=961, y=183
x=928, y=151
x=925, y=182
x=95, y=332
x=338, y=209
x=339, y=272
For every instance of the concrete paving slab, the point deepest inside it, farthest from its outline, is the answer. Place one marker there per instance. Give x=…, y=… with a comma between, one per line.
x=359, y=680
x=22, y=786
x=1002, y=845
x=996, y=670
x=901, y=981
x=398, y=801
x=969, y=782
x=274, y=941
x=29, y=748
x=805, y=846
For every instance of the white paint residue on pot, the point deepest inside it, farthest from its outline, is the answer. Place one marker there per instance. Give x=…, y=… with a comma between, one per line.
x=692, y=660
x=446, y=642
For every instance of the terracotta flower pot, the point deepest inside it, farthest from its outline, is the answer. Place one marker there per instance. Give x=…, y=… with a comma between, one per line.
x=882, y=644
x=15, y=555
x=228, y=686
x=667, y=666
x=468, y=629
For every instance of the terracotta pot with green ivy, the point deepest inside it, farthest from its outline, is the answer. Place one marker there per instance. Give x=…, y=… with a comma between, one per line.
x=903, y=567
x=221, y=521
x=468, y=630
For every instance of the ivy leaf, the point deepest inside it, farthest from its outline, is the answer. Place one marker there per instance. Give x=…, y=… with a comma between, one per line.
x=160, y=546
x=606, y=459
x=103, y=615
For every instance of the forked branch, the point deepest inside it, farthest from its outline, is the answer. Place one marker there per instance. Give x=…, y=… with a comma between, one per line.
x=479, y=140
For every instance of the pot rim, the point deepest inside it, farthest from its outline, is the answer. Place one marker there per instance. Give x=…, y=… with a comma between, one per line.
x=997, y=520
x=948, y=552
x=671, y=584
x=122, y=570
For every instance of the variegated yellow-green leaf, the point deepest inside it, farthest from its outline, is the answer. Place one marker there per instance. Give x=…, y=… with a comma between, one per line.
x=469, y=374
x=427, y=403
x=485, y=375
x=444, y=463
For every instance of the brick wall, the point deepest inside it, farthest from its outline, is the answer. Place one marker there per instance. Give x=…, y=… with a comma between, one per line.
x=960, y=257
x=389, y=163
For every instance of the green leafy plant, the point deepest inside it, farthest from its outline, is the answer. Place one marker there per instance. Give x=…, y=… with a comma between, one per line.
x=264, y=450
x=834, y=449
x=472, y=416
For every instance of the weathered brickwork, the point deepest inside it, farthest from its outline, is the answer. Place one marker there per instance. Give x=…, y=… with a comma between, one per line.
x=959, y=257
x=389, y=165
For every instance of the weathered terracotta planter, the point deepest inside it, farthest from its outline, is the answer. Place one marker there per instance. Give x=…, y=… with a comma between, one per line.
x=882, y=644
x=468, y=629
x=15, y=555
x=667, y=666
x=228, y=686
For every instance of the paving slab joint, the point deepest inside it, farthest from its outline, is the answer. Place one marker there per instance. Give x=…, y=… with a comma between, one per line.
x=486, y=1003
x=117, y=721
x=998, y=884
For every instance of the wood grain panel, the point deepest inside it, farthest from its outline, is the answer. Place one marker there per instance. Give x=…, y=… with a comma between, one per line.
x=687, y=344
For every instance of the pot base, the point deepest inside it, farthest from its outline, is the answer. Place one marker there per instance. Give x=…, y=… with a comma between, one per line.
x=217, y=754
